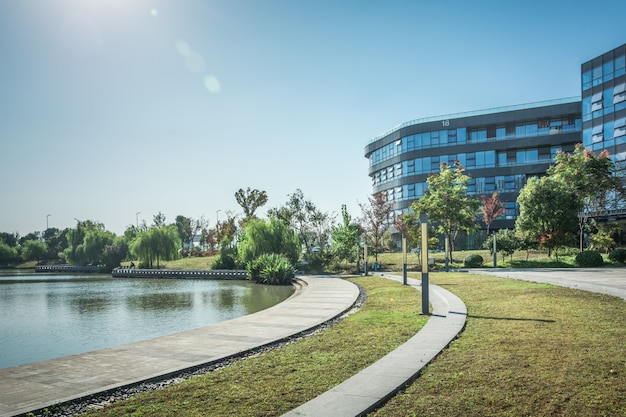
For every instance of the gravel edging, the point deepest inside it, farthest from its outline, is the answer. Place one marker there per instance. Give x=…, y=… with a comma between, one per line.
x=102, y=399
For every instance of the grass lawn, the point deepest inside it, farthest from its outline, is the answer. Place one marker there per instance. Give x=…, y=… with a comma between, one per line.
x=527, y=350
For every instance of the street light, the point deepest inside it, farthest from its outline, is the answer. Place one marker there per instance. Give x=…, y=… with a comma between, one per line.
x=217, y=219
x=137, y=218
x=47, y=215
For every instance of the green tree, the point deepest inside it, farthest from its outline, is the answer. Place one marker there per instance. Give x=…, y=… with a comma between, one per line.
x=11, y=239
x=507, y=242
x=113, y=255
x=34, y=250
x=548, y=212
x=8, y=253
x=185, y=230
x=86, y=242
x=447, y=204
x=155, y=245
x=311, y=224
x=345, y=237
x=594, y=178
x=250, y=200
x=260, y=237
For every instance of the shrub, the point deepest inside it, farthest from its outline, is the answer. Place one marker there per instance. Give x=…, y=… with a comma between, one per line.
x=224, y=261
x=473, y=261
x=618, y=255
x=272, y=269
x=589, y=258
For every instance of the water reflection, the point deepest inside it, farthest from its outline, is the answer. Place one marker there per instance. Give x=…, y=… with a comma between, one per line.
x=49, y=316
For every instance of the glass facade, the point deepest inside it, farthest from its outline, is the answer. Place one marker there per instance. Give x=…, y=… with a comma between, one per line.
x=501, y=148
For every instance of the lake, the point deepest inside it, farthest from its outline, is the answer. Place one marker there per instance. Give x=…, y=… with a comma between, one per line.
x=46, y=316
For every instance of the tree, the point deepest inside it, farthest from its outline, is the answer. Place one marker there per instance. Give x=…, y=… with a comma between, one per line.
x=345, y=237
x=159, y=219
x=492, y=209
x=11, y=239
x=250, y=200
x=311, y=225
x=34, y=250
x=273, y=237
x=548, y=211
x=82, y=250
x=156, y=244
x=7, y=253
x=377, y=218
x=187, y=229
x=593, y=177
x=507, y=242
x=447, y=204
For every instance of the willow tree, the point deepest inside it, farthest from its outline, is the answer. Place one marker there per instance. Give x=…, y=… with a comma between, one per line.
x=155, y=245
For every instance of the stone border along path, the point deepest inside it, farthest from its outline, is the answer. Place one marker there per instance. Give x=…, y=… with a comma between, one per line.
x=371, y=387
x=35, y=386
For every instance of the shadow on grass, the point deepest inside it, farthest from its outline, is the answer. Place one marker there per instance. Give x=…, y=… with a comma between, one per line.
x=511, y=319
x=502, y=318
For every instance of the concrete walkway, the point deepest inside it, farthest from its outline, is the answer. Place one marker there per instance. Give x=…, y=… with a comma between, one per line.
x=43, y=384
x=369, y=388
x=611, y=281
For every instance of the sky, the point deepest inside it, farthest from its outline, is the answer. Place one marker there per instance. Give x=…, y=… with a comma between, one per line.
x=116, y=110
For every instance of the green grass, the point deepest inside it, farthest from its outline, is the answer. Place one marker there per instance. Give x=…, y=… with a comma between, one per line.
x=280, y=380
x=527, y=350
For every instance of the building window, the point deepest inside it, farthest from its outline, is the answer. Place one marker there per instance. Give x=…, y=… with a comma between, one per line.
x=619, y=128
x=596, y=101
x=618, y=93
x=597, y=134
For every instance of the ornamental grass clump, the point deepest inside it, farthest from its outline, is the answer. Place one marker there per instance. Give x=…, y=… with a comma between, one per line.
x=272, y=269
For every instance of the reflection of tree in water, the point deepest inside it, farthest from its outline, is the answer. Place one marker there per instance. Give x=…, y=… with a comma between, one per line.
x=247, y=296
x=91, y=304
x=161, y=302
x=224, y=298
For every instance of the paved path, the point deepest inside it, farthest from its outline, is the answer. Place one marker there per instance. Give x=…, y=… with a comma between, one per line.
x=610, y=281
x=34, y=386
x=369, y=388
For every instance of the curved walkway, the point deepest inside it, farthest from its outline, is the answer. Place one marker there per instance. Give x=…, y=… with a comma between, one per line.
x=43, y=384
x=374, y=385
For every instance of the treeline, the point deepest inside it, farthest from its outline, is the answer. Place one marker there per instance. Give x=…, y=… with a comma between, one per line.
x=558, y=209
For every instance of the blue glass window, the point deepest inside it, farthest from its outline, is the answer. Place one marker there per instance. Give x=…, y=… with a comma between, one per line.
x=461, y=135
x=500, y=133
x=586, y=80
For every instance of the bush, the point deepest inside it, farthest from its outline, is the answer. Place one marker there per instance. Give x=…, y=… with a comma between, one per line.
x=473, y=261
x=618, y=255
x=589, y=258
x=224, y=261
x=272, y=269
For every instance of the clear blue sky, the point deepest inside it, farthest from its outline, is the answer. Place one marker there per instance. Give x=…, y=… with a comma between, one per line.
x=113, y=107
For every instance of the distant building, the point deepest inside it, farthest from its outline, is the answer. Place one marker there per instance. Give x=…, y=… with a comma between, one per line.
x=501, y=148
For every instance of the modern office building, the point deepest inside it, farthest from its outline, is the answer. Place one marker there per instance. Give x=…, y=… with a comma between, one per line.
x=501, y=148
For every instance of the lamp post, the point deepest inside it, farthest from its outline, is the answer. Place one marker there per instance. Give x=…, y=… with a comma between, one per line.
x=425, y=300
x=404, y=280
x=47, y=215
x=137, y=219
x=217, y=218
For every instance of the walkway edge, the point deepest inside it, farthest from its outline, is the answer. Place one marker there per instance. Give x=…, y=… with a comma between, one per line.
x=374, y=385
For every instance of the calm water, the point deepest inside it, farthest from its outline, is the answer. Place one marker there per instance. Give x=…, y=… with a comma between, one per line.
x=49, y=316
